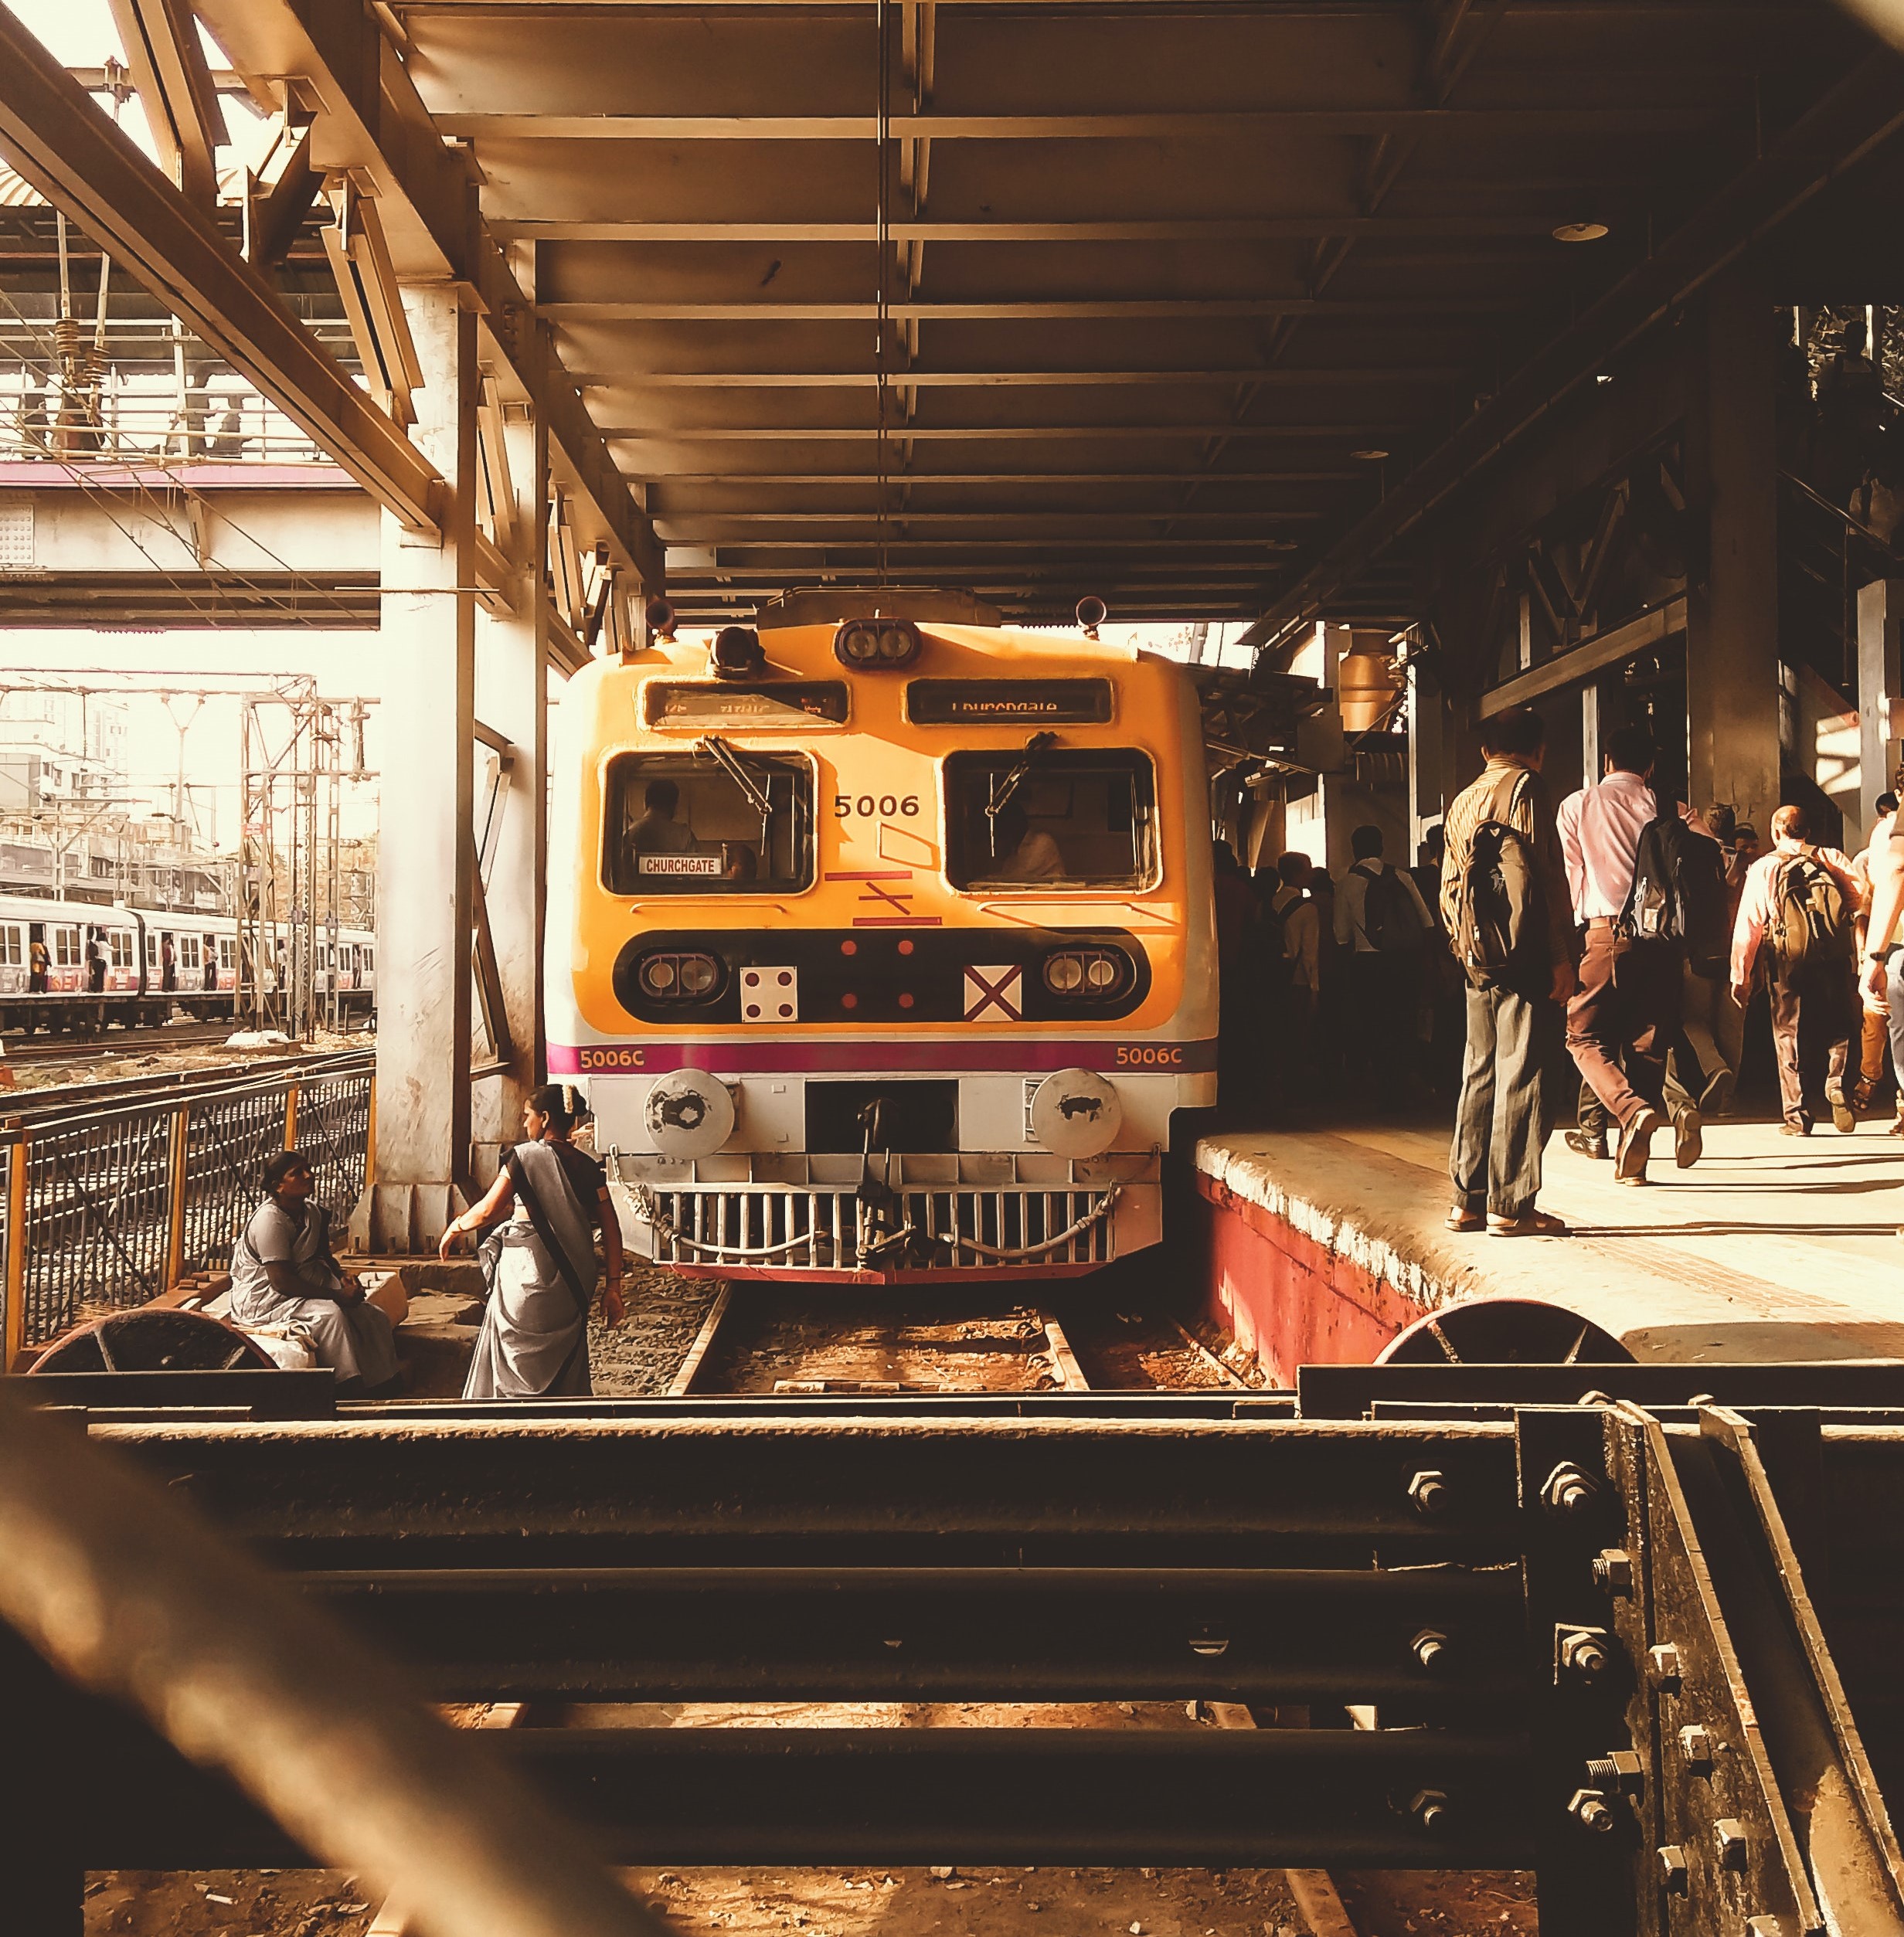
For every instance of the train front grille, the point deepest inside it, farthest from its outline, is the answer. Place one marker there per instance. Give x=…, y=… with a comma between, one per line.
x=833, y=1229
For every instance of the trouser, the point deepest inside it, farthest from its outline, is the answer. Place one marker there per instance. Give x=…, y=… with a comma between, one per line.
x=1874, y=1051
x=1894, y=1002
x=1811, y=1034
x=1685, y=1084
x=1715, y=1023
x=1622, y=1019
x=1510, y=1091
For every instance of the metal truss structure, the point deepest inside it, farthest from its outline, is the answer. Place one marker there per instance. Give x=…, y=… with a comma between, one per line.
x=1644, y=1651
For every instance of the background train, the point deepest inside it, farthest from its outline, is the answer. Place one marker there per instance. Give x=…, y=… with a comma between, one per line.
x=204, y=965
x=881, y=941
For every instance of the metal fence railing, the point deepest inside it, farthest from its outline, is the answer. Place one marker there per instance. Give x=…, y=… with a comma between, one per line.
x=109, y=1203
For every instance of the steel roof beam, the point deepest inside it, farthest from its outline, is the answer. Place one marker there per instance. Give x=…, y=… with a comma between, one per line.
x=70, y=150
x=1117, y=309
x=1862, y=111
x=1291, y=379
x=1296, y=122
x=1189, y=228
x=372, y=121
x=992, y=434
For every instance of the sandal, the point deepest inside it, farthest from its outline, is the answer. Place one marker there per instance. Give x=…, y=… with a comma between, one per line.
x=1529, y=1224
x=1460, y=1220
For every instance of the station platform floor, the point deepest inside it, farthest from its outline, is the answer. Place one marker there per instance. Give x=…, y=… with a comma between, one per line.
x=1324, y=1243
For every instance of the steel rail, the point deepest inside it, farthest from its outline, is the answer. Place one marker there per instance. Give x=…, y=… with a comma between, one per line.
x=132, y=1598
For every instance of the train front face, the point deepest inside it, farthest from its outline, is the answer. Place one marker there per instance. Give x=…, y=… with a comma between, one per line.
x=884, y=968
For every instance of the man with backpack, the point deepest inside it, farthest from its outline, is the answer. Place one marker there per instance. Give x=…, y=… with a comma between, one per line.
x=1802, y=902
x=1381, y=924
x=1645, y=896
x=1504, y=901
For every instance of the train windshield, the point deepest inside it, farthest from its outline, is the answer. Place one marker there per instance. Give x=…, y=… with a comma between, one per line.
x=715, y=821
x=1052, y=816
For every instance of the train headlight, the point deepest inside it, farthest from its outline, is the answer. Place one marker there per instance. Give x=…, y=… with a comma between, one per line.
x=736, y=654
x=1088, y=973
x=681, y=978
x=876, y=642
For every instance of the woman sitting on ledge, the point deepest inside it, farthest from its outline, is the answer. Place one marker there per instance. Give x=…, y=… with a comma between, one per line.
x=540, y=1264
x=282, y=1270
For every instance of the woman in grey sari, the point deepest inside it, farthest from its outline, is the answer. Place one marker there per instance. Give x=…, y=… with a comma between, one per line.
x=282, y=1271
x=534, y=1341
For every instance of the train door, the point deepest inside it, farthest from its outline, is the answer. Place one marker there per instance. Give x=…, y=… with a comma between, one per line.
x=12, y=958
x=68, y=957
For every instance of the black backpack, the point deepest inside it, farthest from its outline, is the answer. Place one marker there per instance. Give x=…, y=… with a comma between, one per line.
x=1388, y=917
x=1500, y=924
x=1679, y=893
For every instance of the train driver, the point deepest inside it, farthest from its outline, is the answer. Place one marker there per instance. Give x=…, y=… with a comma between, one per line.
x=657, y=832
x=1023, y=854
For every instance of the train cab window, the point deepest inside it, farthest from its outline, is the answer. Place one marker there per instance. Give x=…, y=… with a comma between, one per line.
x=721, y=822
x=1051, y=817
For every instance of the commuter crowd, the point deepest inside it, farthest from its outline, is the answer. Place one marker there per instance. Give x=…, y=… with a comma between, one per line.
x=1597, y=957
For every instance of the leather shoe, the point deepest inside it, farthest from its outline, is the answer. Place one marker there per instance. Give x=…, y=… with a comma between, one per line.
x=1843, y=1115
x=1801, y=1128
x=1586, y=1143
x=1636, y=1145
x=1688, y=1139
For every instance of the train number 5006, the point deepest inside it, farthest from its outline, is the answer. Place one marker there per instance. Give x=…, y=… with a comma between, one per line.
x=846, y=805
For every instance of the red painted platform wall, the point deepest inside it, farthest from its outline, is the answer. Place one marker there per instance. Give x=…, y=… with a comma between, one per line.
x=1287, y=1298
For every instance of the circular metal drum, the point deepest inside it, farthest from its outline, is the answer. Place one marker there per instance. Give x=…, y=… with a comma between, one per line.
x=154, y=1338
x=1504, y=1331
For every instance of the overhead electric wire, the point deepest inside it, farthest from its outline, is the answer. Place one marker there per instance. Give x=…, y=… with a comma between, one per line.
x=882, y=454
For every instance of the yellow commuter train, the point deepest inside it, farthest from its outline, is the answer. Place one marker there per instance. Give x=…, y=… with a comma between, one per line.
x=881, y=941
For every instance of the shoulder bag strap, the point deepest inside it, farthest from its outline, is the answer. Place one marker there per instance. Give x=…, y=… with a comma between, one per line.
x=539, y=1218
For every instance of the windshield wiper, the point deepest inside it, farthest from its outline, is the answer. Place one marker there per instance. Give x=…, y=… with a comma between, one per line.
x=1035, y=749
x=738, y=771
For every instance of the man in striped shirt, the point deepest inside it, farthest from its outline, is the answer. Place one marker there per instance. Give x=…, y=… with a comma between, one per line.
x=1512, y=1085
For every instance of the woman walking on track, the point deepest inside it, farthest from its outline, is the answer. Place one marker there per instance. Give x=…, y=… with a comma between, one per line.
x=540, y=1264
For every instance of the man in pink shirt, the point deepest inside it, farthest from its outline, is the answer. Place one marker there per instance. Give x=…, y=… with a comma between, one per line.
x=1627, y=1008
x=1810, y=976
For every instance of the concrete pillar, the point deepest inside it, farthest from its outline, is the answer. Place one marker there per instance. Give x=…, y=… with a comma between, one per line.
x=512, y=699
x=424, y=906
x=1880, y=686
x=1732, y=590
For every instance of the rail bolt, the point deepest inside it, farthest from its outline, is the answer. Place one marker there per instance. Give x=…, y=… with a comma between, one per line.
x=1429, y=1808
x=1588, y=1808
x=1583, y=1652
x=1664, y=1661
x=1619, y=1773
x=1695, y=1744
x=1729, y=1833
x=1612, y=1570
x=1429, y=1490
x=1673, y=1871
x=1430, y=1648
x=1569, y=1490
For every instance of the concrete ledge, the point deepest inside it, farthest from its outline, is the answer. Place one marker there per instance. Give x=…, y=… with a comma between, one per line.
x=1322, y=1245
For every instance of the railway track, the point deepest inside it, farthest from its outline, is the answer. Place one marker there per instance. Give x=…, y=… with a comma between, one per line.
x=21, y=1049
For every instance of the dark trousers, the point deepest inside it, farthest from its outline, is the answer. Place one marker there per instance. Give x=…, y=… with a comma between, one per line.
x=1511, y=1090
x=1812, y=1025
x=1384, y=991
x=1686, y=1078
x=1622, y=1019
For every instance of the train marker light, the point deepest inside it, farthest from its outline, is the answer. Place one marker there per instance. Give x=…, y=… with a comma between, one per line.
x=884, y=642
x=736, y=654
x=1092, y=613
x=661, y=618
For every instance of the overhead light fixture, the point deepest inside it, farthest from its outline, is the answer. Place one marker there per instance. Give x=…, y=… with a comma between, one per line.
x=1581, y=232
x=1370, y=457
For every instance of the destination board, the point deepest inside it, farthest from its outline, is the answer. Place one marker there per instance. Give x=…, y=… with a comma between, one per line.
x=958, y=702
